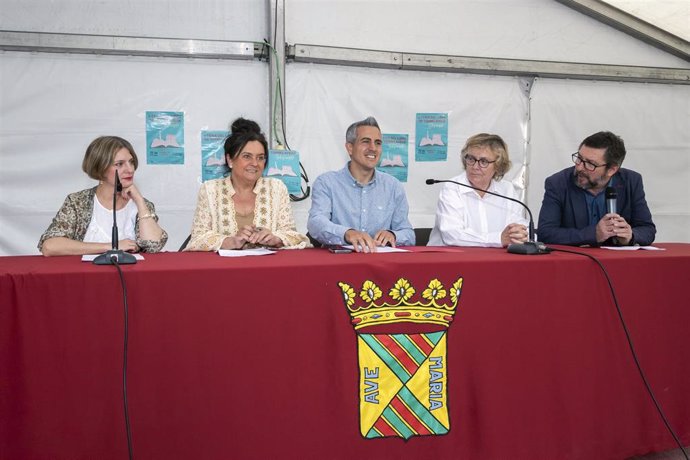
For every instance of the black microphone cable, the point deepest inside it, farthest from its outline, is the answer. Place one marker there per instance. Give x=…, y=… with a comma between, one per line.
x=632, y=349
x=124, y=363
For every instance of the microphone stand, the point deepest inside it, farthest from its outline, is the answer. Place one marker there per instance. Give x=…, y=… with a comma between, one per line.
x=530, y=247
x=115, y=256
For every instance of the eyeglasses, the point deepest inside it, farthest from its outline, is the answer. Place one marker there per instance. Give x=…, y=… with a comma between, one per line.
x=483, y=162
x=588, y=165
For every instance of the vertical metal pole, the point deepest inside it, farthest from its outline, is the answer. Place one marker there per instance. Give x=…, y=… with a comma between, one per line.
x=276, y=68
x=522, y=179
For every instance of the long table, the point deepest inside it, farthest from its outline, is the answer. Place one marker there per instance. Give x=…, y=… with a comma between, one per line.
x=257, y=357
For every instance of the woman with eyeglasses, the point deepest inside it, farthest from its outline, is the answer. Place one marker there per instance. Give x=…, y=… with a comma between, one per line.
x=244, y=210
x=467, y=217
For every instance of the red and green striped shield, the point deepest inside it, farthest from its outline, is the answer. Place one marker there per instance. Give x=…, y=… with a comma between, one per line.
x=402, y=376
x=402, y=385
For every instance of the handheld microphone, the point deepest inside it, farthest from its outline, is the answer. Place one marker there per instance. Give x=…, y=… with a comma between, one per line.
x=531, y=247
x=611, y=206
x=611, y=197
x=115, y=255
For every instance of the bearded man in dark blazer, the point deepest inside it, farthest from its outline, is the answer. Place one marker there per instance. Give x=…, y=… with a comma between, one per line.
x=573, y=211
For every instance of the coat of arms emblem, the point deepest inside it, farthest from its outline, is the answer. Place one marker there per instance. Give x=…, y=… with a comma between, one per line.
x=402, y=375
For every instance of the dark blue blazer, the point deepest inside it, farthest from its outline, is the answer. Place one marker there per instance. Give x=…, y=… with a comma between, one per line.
x=563, y=218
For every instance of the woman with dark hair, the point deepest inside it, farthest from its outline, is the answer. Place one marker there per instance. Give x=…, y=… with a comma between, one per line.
x=466, y=217
x=83, y=225
x=244, y=210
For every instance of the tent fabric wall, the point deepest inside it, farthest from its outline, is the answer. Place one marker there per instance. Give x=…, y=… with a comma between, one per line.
x=324, y=100
x=653, y=120
x=53, y=105
x=243, y=20
x=508, y=29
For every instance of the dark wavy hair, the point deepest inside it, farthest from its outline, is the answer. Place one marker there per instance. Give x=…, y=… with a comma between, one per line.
x=241, y=132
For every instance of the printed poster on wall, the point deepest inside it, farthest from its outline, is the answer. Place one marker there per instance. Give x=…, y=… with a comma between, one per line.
x=165, y=138
x=431, y=137
x=394, y=156
x=213, y=164
x=284, y=165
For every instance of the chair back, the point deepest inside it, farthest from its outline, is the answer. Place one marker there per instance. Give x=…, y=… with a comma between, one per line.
x=422, y=236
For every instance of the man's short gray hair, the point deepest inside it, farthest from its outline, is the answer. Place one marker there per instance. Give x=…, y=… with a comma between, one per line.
x=351, y=133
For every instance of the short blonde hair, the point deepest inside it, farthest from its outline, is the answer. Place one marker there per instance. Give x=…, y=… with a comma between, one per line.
x=497, y=146
x=100, y=154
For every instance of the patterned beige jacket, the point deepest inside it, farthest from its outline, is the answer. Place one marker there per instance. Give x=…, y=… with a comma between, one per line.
x=74, y=217
x=214, y=219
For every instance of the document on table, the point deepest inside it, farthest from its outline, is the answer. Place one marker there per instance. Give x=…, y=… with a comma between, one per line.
x=90, y=257
x=633, y=248
x=245, y=252
x=435, y=249
x=380, y=249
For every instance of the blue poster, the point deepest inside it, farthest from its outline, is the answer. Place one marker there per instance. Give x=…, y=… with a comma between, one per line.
x=284, y=165
x=165, y=138
x=394, y=156
x=431, y=143
x=213, y=165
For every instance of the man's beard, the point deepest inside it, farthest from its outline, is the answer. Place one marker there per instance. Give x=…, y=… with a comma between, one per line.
x=588, y=184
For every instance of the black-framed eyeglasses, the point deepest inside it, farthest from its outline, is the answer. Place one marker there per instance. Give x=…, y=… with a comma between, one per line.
x=588, y=165
x=483, y=162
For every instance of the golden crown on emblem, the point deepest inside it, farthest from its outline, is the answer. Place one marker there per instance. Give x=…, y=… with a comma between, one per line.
x=436, y=304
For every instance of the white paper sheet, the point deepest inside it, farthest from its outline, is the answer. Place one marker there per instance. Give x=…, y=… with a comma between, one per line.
x=245, y=252
x=633, y=248
x=380, y=249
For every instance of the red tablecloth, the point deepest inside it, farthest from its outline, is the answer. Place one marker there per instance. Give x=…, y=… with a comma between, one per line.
x=256, y=357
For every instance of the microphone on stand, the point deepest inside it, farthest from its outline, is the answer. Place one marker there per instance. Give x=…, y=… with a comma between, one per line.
x=115, y=255
x=611, y=206
x=531, y=247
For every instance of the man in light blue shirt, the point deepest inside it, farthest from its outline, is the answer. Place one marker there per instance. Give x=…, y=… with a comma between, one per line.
x=359, y=205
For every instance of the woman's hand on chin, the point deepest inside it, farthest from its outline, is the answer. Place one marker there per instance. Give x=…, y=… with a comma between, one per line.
x=132, y=193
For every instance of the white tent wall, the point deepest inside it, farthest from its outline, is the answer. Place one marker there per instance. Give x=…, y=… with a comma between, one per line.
x=670, y=15
x=323, y=101
x=652, y=118
x=52, y=105
x=654, y=122
x=193, y=19
x=507, y=29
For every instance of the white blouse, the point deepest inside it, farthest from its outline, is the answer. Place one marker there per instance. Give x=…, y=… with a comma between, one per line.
x=463, y=218
x=101, y=226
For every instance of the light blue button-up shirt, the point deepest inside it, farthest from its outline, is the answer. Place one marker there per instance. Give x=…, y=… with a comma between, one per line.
x=339, y=203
